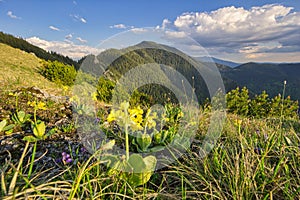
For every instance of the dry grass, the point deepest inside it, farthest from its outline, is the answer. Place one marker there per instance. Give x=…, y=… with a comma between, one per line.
x=20, y=69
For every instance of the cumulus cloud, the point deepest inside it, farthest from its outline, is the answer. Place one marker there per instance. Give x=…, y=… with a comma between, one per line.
x=121, y=26
x=54, y=28
x=238, y=30
x=65, y=48
x=79, y=18
x=11, y=15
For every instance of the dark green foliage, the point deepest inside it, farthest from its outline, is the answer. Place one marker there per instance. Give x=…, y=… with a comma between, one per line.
x=105, y=89
x=59, y=73
x=270, y=77
x=261, y=105
x=238, y=101
x=22, y=44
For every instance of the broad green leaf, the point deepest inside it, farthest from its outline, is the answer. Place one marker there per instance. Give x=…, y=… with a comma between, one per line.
x=157, y=148
x=8, y=127
x=21, y=116
x=150, y=162
x=2, y=124
x=136, y=161
x=111, y=160
x=39, y=129
x=144, y=141
x=30, y=138
x=137, y=179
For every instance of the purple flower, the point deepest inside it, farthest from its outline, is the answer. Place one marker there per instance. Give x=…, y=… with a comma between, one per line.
x=83, y=150
x=97, y=120
x=66, y=158
x=257, y=132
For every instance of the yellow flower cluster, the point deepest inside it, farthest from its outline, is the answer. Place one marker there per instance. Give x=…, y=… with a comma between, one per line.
x=37, y=105
x=132, y=117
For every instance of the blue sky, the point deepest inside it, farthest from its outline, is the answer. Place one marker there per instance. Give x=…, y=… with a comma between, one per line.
x=238, y=30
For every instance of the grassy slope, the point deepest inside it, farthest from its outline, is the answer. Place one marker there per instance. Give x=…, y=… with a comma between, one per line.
x=20, y=69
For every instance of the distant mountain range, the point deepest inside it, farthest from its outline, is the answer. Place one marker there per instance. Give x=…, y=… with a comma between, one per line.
x=114, y=63
x=218, y=61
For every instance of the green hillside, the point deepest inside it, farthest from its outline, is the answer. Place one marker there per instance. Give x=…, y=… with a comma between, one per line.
x=22, y=44
x=270, y=77
x=20, y=69
x=116, y=63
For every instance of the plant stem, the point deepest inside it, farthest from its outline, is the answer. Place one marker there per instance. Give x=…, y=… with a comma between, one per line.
x=32, y=160
x=126, y=142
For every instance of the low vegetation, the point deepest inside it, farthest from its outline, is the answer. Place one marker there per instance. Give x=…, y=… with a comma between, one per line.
x=44, y=153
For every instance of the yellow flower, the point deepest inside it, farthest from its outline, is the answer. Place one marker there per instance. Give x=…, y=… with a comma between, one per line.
x=37, y=106
x=31, y=103
x=136, y=115
x=74, y=99
x=11, y=94
x=41, y=106
x=112, y=116
x=180, y=114
x=65, y=88
x=238, y=122
x=150, y=119
x=94, y=96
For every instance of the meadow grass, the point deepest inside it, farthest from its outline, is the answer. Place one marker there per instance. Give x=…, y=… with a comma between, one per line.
x=21, y=69
x=253, y=159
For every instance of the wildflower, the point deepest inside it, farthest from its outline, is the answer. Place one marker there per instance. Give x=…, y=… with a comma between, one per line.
x=136, y=115
x=65, y=88
x=150, y=119
x=41, y=106
x=37, y=106
x=66, y=158
x=97, y=120
x=180, y=114
x=112, y=116
x=12, y=94
x=238, y=122
x=257, y=132
x=94, y=96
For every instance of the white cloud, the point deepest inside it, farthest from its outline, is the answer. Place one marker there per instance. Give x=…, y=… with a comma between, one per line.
x=121, y=26
x=83, y=20
x=78, y=18
x=11, y=15
x=81, y=40
x=233, y=30
x=165, y=23
x=69, y=36
x=65, y=48
x=139, y=30
x=54, y=28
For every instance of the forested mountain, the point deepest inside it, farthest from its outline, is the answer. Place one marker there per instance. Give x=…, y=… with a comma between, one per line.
x=154, y=60
x=114, y=63
x=218, y=61
x=22, y=44
x=270, y=77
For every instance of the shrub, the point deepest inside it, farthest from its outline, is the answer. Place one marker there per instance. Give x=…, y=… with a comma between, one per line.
x=238, y=101
x=105, y=89
x=59, y=73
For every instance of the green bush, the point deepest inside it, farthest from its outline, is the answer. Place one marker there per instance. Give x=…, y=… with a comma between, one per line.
x=105, y=89
x=261, y=105
x=238, y=101
x=59, y=73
